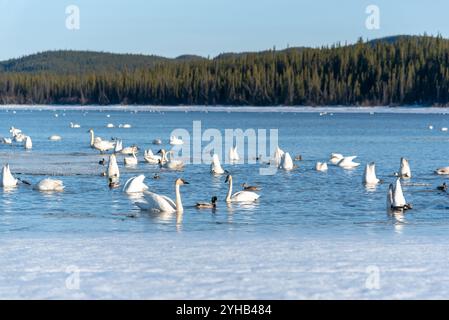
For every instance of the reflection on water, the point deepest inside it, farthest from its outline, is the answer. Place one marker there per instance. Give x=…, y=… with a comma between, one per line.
x=299, y=201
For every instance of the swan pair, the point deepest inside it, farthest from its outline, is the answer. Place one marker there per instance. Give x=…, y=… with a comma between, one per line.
x=175, y=141
x=99, y=144
x=395, y=198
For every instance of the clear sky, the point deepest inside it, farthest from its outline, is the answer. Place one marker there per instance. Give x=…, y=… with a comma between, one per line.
x=206, y=27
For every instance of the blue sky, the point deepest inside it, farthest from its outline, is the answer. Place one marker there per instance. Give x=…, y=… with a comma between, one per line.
x=206, y=27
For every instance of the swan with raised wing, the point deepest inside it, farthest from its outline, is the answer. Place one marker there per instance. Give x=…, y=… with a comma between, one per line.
x=159, y=203
x=7, y=179
x=215, y=166
x=241, y=196
x=135, y=185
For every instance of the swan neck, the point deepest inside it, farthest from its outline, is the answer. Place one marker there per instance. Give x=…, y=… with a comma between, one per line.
x=228, y=197
x=92, y=138
x=179, y=207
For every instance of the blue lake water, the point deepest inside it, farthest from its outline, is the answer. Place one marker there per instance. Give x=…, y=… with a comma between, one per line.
x=311, y=235
x=299, y=202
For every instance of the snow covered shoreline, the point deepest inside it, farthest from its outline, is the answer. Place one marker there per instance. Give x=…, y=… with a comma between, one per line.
x=189, y=266
x=278, y=109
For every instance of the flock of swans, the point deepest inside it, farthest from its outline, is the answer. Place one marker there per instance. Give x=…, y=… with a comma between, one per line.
x=151, y=201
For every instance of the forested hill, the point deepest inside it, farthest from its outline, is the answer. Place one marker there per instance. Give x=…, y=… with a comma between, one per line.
x=390, y=71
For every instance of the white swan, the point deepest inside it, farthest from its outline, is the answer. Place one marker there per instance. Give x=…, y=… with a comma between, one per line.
x=47, y=185
x=151, y=158
x=215, y=167
x=135, y=185
x=241, y=196
x=131, y=161
x=130, y=150
x=369, y=177
x=118, y=146
x=169, y=162
x=336, y=158
x=321, y=166
x=442, y=171
x=175, y=141
x=234, y=155
x=399, y=202
x=28, y=143
x=286, y=162
x=99, y=144
x=158, y=203
x=7, y=179
x=125, y=126
x=74, y=125
x=19, y=138
x=278, y=156
x=348, y=163
x=110, y=126
x=55, y=138
x=405, y=172
x=113, y=170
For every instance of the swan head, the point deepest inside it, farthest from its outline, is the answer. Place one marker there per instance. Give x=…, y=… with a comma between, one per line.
x=228, y=179
x=90, y=131
x=181, y=182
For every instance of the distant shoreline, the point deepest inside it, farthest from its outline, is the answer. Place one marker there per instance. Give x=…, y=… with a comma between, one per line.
x=280, y=109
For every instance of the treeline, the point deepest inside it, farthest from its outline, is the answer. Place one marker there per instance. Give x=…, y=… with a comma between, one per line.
x=405, y=70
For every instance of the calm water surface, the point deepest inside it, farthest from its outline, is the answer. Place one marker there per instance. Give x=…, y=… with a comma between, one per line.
x=299, y=202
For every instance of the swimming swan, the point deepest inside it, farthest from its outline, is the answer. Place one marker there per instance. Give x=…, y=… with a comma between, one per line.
x=113, y=170
x=286, y=162
x=151, y=158
x=99, y=144
x=215, y=167
x=55, y=138
x=348, y=163
x=7, y=179
x=321, y=166
x=74, y=125
x=135, y=185
x=130, y=150
x=48, y=185
x=370, y=178
x=169, y=162
x=158, y=203
x=242, y=196
x=131, y=161
x=336, y=158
